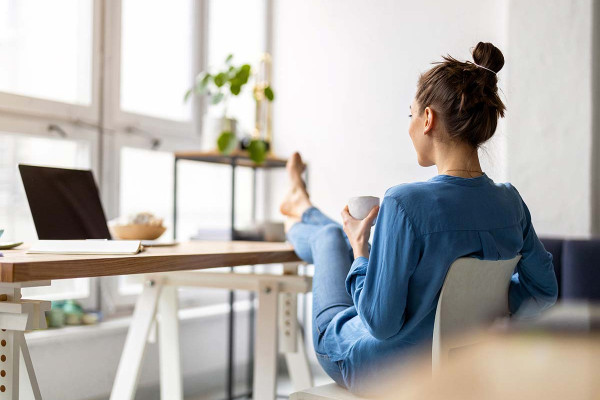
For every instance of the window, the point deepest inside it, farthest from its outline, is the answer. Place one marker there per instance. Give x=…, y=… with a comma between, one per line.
x=153, y=50
x=156, y=57
x=247, y=42
x=46, y=50
x=54, y=59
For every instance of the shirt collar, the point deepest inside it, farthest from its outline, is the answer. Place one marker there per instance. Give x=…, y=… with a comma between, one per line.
x=457, y=180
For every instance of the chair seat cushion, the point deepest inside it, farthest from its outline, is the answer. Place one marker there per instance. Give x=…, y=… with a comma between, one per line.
x=330, y=391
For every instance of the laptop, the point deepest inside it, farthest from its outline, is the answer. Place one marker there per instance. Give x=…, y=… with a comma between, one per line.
x=65, y=203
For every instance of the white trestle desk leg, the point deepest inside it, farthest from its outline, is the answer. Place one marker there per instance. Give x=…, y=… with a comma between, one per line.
x=135, y=344
x=168, y=344
x=265, y=349
x=17, y=316
x=28, y=382
x=291, y=341
x=298, y=366
x=9, y=389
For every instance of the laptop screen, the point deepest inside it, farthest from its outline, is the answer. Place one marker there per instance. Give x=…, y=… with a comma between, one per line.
x=64, y=203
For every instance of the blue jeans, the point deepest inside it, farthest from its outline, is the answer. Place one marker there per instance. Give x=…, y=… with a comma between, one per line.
x=319, y=240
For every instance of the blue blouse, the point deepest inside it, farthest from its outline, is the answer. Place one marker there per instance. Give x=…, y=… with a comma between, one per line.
x=420, y=230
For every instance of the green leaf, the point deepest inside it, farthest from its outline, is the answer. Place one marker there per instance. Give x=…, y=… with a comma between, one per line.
x=229, y=58
x=257, y=150
x=220, y=79
x=269, y=93
x=235, y=88
x=216, y=98
x=203, y=77
x=227, y=142
x=244, y=74
x=187, y=95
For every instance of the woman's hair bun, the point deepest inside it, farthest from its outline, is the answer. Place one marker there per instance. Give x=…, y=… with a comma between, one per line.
x=465, y=95
x=489, y=56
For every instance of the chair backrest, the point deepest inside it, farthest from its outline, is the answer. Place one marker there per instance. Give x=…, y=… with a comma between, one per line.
x=474, y=294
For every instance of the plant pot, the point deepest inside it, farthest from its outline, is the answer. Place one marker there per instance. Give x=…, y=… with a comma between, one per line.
x=213, y=127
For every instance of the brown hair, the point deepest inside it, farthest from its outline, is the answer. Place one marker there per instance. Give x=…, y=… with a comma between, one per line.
x=464, y=94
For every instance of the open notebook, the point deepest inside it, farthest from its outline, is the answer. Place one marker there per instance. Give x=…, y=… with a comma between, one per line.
x=120, y=247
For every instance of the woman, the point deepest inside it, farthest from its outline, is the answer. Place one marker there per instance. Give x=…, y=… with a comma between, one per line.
x=375, y=304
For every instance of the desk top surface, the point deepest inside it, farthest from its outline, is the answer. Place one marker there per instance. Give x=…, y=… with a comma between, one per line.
x=18, y=266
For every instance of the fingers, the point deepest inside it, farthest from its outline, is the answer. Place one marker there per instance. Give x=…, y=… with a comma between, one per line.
x=345, y=216
x=372, y=215
x=346, y=213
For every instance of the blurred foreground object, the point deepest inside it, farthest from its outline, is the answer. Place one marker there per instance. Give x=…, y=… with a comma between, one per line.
x=554, y=357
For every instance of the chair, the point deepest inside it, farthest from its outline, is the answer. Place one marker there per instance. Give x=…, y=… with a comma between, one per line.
x=474, y=294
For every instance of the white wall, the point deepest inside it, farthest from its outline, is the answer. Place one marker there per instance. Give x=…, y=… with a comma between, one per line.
x=550, y=112
x=345, y=73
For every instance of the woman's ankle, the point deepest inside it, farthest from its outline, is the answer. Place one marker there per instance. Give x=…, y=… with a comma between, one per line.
x=289, y=223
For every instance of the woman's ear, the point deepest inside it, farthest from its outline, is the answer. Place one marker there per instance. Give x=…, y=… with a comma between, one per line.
x=429, y=120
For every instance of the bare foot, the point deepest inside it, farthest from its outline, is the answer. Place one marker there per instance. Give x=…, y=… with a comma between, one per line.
x=297, y=200
x=295, y=167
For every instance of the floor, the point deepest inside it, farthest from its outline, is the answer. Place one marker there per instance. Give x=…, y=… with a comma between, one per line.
x=284, y=385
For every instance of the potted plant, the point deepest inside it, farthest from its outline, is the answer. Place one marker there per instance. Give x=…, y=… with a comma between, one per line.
x=219, y=87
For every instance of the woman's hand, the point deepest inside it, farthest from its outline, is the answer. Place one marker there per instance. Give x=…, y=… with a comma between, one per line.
x=359, y=230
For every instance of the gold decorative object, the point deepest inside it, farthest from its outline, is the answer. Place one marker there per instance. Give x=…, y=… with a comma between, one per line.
x=263, y=124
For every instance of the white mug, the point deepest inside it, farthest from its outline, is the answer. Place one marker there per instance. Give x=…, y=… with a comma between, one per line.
x=361, y=206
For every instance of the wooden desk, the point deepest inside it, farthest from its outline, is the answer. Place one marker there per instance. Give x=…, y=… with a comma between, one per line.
x=17, y=266
x=164, y=269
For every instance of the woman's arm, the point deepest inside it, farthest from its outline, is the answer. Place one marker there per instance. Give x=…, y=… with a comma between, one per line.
x=534, y=283
x=379, y=284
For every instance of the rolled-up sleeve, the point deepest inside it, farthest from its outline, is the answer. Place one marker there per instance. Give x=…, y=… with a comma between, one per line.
x=379, y=285
x=534, y=283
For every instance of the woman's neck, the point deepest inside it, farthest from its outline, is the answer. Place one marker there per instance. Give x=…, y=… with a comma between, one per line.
x=459, y=160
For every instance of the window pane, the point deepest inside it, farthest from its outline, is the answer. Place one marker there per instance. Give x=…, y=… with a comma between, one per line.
x=156, y=57
x=46, y=49
x=146, y=184
x=237, y=27
x=15, y=216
